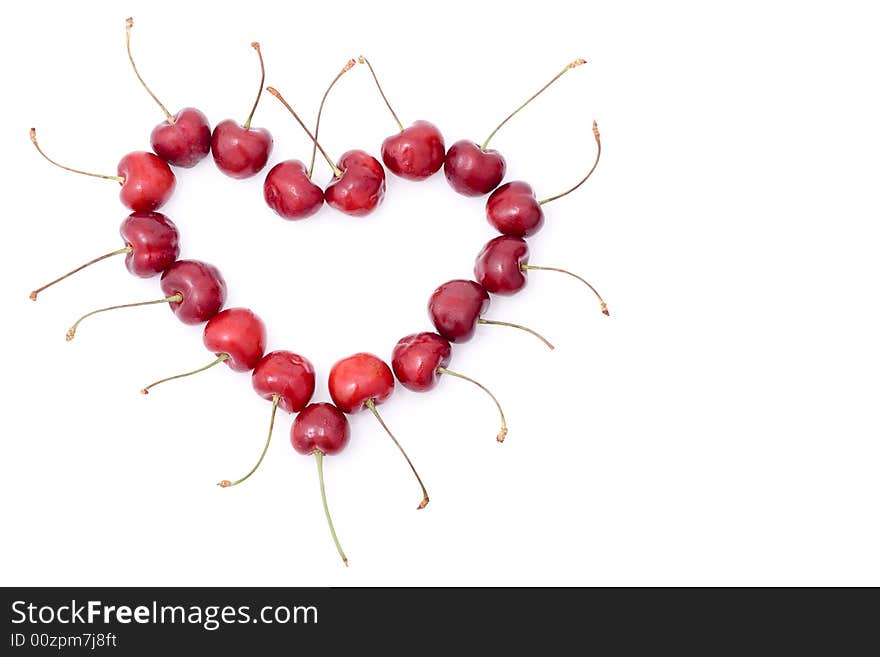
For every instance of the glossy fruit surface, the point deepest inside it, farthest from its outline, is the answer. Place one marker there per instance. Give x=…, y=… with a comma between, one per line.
x=416, y=357
x=238, y=151
x=513, y=210
x=238, y=333
x=290, y=192
x=361, y=187
x=154, y=241
x=288, y=375
x=149, y=181
x=499, y=265
x=455, y=307
x=185, y=142
x=472, y=171
x=202, y=287
x=415, y=152
x=321, y=427
x=359, y=378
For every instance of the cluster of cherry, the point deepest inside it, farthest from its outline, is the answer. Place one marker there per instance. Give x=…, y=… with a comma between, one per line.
x=196, y=292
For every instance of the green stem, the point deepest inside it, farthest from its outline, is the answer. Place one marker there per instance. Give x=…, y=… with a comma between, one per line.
x=33, y=134
x=226, y=483
x=219, y=360
x=256, y=46
x=570, y=66
x=589, y=173
x=174, y=298
x=336, y=170
x=319, y=457
x=372, y=406
x=573, y=275
x=364, y=60
x=348, y=66
x=129, y=23
x=502, y=434
x=517, y=326
x=126, y=249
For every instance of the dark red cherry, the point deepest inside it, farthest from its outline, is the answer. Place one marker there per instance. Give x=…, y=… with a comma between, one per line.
x=416, y=357
x=415, y=152
x=238, y=151
x=513, y=210
x=360, y=188
x=202, y=287
x=455, y=307
x=359, y=378
x=321, y=427
x=290, y=192
x=148, y=181
x=471, y=170
x=238, y=333
x=499, y=265
x=184, y=142
x=288, y=375
x=153, y=239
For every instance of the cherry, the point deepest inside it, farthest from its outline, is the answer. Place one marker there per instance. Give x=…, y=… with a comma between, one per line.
x=473, y=170
x=502, y=266
x=201, y=286
x=151, y=245
x=183, y=139
x=414, y=153
x=241, y=151
x=418, y=361
x=290, y=192
x=513, y=208
x=321, y=429
x=365, y=381
x=238, y=334
x=238, y=338
x=457, y=306
x=146, y=179
x=287, y=380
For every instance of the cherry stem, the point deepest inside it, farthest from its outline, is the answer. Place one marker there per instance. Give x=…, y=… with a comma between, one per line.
x=319, y=457
x=226, y=483
x=589, y=173
x=517, y=326
x=348, y=66
x=570, y=66
x=175, y=298
x=573, y=275
x=129, y=23
x=256, y=46
x=33, y=134
x=125, y=249
x=502, y=434
x=364, y=60
x=372, y=406
x=336, y=170
x=219, y=360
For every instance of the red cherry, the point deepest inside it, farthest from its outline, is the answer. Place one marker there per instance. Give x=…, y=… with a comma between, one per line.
x=416, y=357
x=184, y=140
x=153, y=240
x=360, y=188
x=238, y=333
x=290, y=192
x=201, y=286
x=322, y=427
x=499, y=266
x=455, y=307
x=288, y=375
x=241, y=151
x=416, y=152
x=513, y=210
x=472, y=171
x=148, y=181
x=358, y=379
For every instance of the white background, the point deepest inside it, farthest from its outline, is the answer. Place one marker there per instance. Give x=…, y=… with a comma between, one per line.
x=719, y=428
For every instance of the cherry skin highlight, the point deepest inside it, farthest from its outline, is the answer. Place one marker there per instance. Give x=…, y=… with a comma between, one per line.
x=290, y=192
x=416, y=152
x=360, y=378
x=154, y=243
x=202, y=287
x=238, y=333
x=288, y=375
x=238, y=151
x=499, y=265
x=471, y=171
x=416, y=357
x=186, y=141
x=455, y=307
x=360, y=188
x=321, y=427
x=149, y=181
x=513, y=210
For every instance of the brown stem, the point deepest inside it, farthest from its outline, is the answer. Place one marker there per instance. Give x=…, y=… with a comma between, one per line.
x=218, y=360
x=319, y=457
x=372, y=406
x=348, y=66
x=517, y=326
x=364, y=60
x=256, y=46
x=589, y=173
x=602, y=304
x=226, y=483
x=502, y=434
x=336, y=170
x=129, y=23
x=33, y=133
x=125, y=249
x=175, y=298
